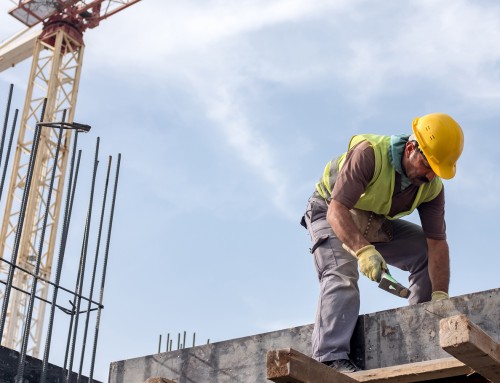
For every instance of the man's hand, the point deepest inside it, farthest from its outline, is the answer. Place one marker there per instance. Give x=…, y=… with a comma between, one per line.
x=439, y=295
x=371, y=263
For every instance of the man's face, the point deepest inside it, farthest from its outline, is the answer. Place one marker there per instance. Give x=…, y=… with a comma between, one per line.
x=418, y=169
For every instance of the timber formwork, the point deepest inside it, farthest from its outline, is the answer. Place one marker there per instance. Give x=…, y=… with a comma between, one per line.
x=455, y=340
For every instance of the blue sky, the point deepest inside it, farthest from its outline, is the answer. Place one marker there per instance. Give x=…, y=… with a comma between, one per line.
x=225, y=114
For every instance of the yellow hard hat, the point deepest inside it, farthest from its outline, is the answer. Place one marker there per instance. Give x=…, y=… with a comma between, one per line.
x=441, y=140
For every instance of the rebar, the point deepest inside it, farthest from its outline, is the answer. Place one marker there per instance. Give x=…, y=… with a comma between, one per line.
x=66, y=354
x=9, y=147
x=12, y=267
x=180, y=345
x=94, y=270
x=45, y=280
x=27, y=326
x=60, y=258
x=68, y=342
x=83, y=261
x=105, y=265
x=27, y=293
x=6, y=121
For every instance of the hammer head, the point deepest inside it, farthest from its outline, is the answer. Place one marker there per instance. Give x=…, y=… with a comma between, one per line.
x=389, y=284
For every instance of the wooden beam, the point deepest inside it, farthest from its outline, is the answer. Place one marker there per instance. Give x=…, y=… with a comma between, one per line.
x=415, y=372
x=468, y=343
x=290, y=366
x=158, y=379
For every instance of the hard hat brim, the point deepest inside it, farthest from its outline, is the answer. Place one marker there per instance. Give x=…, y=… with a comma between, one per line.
x=444, y=172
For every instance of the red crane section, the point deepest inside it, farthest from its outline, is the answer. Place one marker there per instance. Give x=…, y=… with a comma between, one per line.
x=81, y=14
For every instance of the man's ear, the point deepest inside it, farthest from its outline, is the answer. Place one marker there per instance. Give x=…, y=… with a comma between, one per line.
x=409, y=147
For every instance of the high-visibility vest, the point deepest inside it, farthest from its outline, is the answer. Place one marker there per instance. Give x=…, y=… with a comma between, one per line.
x=377, y=196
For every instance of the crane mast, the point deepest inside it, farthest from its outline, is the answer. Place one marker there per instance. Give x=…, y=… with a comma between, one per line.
x=54, y=75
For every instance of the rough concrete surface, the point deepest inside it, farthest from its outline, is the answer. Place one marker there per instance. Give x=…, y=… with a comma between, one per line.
x=411, y=334
x=237, y=360
x=386, y=338
x=9, y=360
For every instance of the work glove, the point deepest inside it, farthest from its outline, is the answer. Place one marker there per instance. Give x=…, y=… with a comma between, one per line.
x=439, y=295
x=371, y=263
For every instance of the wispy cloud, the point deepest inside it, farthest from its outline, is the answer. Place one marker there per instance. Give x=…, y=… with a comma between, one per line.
x=222, y=105
x=214, y=49
x=195, y=44
x=168, y=28
x=453, y=43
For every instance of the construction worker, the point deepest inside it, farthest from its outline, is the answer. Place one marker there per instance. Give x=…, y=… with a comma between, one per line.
x=353, y=218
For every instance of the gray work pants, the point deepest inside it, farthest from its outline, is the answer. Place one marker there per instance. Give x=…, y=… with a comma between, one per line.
x=338, y=306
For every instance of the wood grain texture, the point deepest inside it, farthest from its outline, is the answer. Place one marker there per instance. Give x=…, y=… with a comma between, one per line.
x=471, y=345
x=290, y=366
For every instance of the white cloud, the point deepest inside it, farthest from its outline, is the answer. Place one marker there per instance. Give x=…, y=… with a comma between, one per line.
x=168, y=27
x=191, y=44
x=214, y=48
x=450, y=42
x=222, y=105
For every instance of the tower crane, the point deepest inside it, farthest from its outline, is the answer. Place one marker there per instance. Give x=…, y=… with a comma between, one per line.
x=57, y=49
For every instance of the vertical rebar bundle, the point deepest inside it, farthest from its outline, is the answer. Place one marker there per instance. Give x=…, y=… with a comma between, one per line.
x=81, y=305
x=180, y=345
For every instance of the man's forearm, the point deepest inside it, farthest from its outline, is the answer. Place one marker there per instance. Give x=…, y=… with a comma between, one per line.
x=343, y=225
x=439, y=264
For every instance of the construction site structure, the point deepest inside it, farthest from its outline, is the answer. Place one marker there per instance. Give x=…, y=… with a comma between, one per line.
x=453, y=340
x=57, y=49
x=33, y=367
x=17, y=366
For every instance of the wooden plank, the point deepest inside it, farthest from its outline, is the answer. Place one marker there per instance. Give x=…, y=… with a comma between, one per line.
x=415, y=372
x=290, y=366
x=468, y=343
x=158, y=379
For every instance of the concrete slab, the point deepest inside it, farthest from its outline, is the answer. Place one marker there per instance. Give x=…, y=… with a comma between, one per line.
x=382, y=339
x=411, y=334
x=9, y=359
x=237, y=360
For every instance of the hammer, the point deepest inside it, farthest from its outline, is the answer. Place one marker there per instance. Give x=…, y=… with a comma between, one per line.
x=387, y=282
